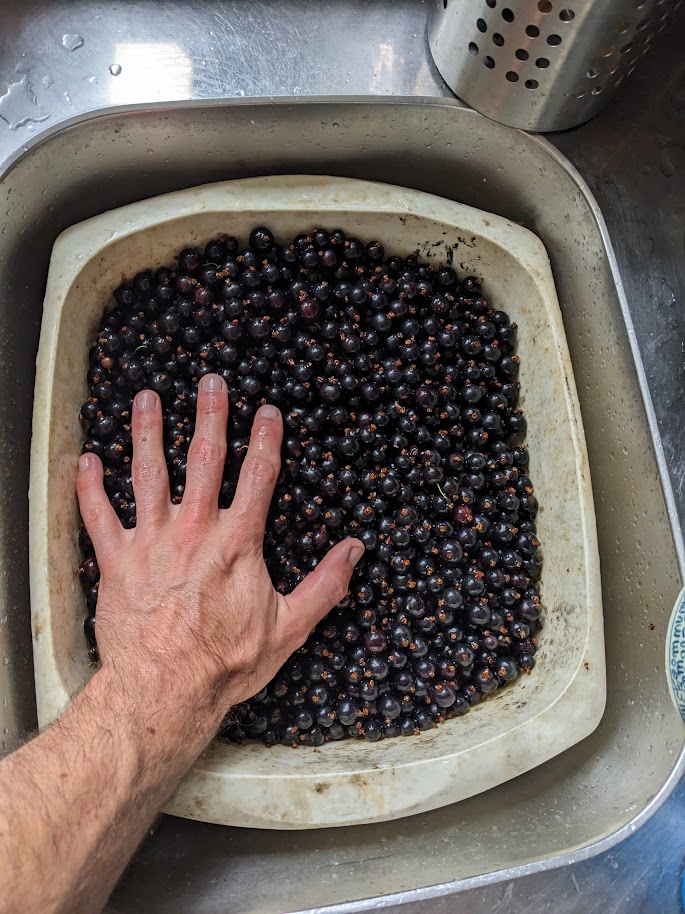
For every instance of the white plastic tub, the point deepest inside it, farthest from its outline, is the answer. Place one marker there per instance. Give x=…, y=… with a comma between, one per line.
x=347, y=782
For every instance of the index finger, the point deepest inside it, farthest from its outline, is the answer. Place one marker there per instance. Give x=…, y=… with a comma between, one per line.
x=259, y=472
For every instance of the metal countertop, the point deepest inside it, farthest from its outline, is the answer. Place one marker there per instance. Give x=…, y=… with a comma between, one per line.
x=61, y=59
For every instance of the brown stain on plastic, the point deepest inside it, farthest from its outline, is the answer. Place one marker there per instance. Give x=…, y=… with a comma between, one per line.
x=198, y=807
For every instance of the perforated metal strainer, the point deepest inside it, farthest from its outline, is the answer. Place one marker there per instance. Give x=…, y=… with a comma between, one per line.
x=541, y=64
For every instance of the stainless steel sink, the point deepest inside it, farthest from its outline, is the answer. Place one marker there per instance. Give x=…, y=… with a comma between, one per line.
x=576, y=804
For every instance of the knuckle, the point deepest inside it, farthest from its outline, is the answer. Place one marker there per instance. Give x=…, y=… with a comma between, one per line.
x=239, y=529
x=338, y=592
x=333, y=587
x=148, y=471
x=92, y=513
x=243, y=540
x=190, y=534
x=87, y=486
x=212, y=403
x=207, y=451
x=261, y=471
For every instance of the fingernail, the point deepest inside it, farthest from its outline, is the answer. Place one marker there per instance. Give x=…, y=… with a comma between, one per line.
x=355, y=553
x=212, y=382
x=146, y=400
x=268, y=412
x=85, y=461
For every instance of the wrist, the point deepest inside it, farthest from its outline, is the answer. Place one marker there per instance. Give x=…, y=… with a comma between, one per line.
x=167, y=719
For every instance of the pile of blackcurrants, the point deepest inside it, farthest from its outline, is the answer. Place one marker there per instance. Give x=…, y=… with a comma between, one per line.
x=398, y=387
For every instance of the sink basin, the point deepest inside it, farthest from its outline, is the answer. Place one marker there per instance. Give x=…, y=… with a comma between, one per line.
x=347, y=782
x=583, y=800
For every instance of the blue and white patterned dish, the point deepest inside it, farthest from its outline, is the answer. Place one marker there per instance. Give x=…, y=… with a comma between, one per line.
x=675, y=654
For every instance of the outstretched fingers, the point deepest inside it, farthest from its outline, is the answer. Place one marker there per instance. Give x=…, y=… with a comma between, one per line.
x=321, y=590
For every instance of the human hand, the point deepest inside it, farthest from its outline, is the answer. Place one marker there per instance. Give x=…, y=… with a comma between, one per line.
x=188, y=624
x=186, y=593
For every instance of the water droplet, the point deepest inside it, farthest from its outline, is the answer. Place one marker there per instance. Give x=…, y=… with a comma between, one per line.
x=48, y=81
x=72, y=42
x=115, y=69
x=20, y=107
x=93, y=80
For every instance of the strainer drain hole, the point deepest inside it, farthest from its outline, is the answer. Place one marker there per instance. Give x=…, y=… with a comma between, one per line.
x=554, y=40
x=497, y=39
x=531, y=84
x=542, y=63
x=567, y=15
x=473, y=48
x=532, y=31
x=512, y=76
x=522, y=54
x=507, y=15
x=481, y=25
x=545, y=6
x=489, y=62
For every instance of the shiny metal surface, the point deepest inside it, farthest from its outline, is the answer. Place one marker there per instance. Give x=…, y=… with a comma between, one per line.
x=542, y=64
x=140, y=51
x=632, y=156
x=625, y=880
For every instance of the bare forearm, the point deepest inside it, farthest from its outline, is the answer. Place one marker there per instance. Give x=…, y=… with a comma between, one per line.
x=76, y=801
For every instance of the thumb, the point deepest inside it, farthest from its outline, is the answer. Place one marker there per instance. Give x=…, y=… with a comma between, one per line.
x=321, y=589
